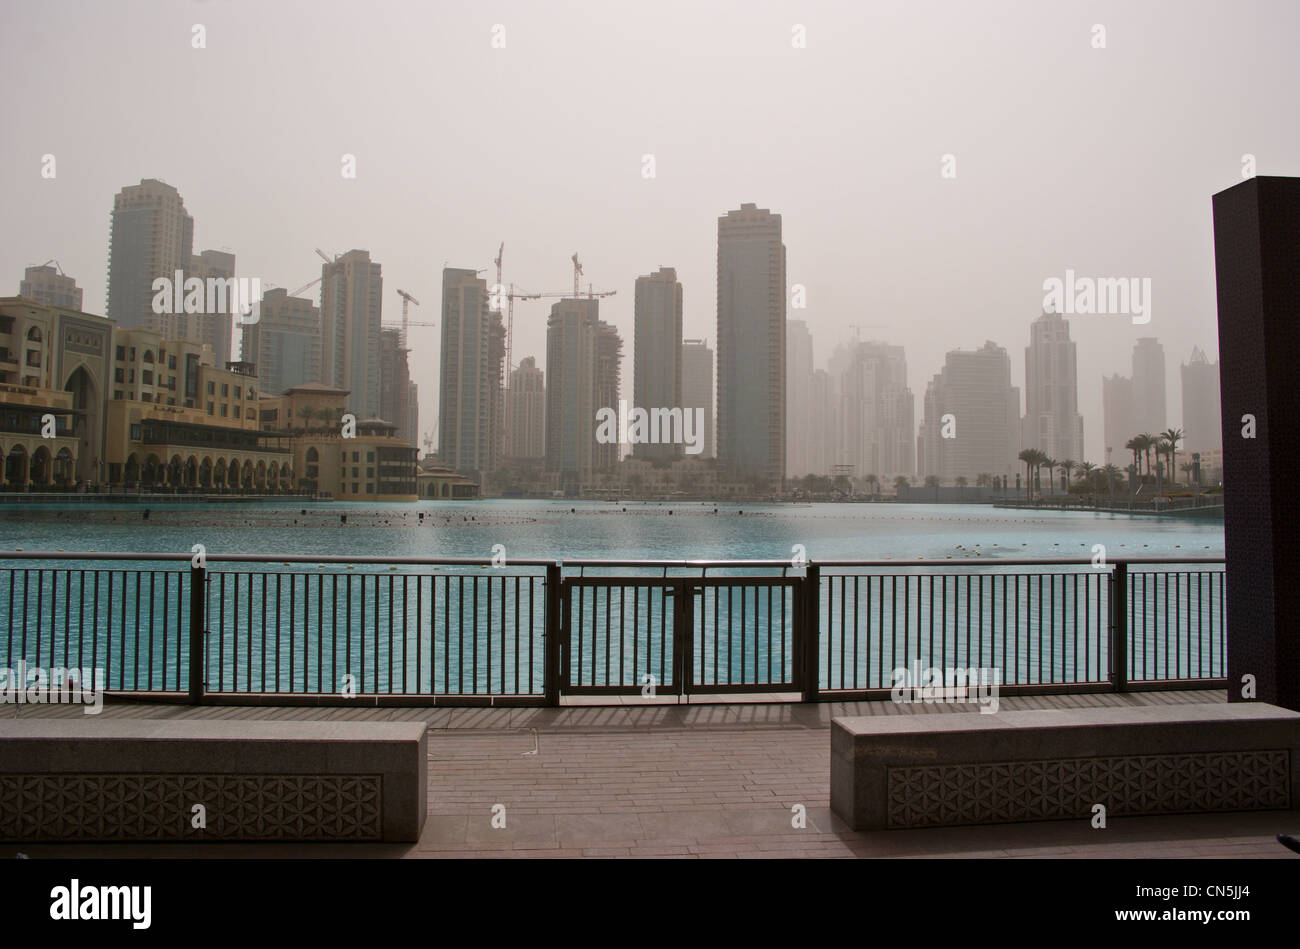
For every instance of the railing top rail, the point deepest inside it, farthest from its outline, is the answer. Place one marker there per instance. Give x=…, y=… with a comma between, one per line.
x=1018, y=562
x=214, y=557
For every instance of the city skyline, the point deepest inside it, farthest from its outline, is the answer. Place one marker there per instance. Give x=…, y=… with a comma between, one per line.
x=838, y=409
x=876, y=234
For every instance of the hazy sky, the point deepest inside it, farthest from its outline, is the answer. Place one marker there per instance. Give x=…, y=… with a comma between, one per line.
x=1067, y=156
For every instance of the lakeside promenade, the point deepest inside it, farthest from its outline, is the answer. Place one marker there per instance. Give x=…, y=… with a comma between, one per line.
x=680, y=781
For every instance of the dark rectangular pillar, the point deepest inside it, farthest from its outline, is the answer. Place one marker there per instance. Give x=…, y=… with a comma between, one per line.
x=1257, y=265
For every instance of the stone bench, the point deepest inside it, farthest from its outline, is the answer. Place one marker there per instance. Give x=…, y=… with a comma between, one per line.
x=951, y=769
x=75, y=780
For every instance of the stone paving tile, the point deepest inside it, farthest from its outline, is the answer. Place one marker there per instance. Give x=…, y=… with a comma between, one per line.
x=598, y=828
x=687, y=781
x=443, y=828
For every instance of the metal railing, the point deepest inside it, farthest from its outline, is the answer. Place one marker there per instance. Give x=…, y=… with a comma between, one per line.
x=1053, y=628
x=255, y=628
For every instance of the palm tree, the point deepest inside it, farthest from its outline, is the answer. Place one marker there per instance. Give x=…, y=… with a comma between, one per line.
x=306, y=413
x=1050, y=465
x=1150, y=443
x=873, y=482
x=900, y=483
x=1111, y=472
x=1066, y=467
x=961, y=485
x=1028, y=456
x=1041, y=461
x=983, y=479
x=1172, y=436
x=1086, y=469
x=1134, y=445
x=1161, y=448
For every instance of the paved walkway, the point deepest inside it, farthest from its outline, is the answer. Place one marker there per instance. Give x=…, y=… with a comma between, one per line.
x=686, y=781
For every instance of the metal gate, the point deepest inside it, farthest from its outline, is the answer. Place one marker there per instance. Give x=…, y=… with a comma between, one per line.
x=674, y=636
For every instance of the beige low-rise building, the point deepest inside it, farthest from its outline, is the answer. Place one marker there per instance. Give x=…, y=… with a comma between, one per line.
x=53, y=363
x=437, y=483
x=348, y=459
x=177, y=420
x=37, y=442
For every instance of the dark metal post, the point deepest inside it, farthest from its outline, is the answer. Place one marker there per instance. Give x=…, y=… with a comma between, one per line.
x=1119, y=627
x=198, y=617
x=808, y=633
x=551, y=659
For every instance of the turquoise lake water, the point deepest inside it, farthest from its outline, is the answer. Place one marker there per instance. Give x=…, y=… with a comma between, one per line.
x=590, y=529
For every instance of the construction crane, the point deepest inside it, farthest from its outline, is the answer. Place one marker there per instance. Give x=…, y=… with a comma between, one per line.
x=407, y=299
x=511, y=297
x=499, y=285
x=577, y=288
x=57, y=266
x=495, y=303
x=305, y=286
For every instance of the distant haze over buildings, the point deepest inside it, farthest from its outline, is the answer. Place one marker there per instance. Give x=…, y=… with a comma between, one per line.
x=1066, y=157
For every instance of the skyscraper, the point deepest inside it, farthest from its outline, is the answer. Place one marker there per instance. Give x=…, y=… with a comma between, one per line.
x=820, y=447
x=285, y=343
x=874, y=410
x=798, y=398
x=697, y=387
x=470, y=408
x=1052, y=423
x=1202, y=418
x=526, y=409
x=582, y=367
x=657, y=353
x=1149, y=412
x=983, y=433
x=412, y=433
x=215, y=329
x=1118, y=421
x=151, y=236
x=395, y=404
x=350, y=311
x=50, y=286
x=751, y=347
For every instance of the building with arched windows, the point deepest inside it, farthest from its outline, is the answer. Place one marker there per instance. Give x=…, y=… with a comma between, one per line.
x=178, y=421
x=54, y=364
x=437, y=483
